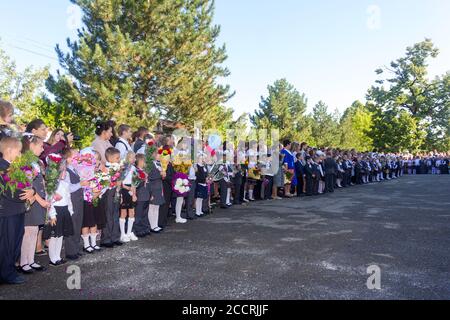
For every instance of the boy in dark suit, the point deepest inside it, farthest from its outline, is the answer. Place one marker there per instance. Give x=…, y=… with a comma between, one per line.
x=12, y=215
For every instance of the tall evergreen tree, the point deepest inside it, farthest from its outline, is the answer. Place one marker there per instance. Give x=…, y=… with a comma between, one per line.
x=284, y=109
x=139, y=60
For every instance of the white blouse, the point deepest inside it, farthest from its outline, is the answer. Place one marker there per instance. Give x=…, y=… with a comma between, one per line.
x=64, y=191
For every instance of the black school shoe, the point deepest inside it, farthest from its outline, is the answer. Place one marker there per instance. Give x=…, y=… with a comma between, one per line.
x=118, y=243
x=37, y=267
x=22, y=270
x=57, y=263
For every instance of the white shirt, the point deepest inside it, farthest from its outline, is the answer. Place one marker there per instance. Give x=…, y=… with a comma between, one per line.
x=122, y=146
x=192, y=175
x=64, y=191
x=129, y=177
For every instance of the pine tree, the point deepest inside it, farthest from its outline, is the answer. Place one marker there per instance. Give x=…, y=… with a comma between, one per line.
x=139, y=60
x=284, y=109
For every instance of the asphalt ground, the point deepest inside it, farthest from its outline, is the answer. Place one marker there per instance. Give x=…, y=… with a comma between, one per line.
x=301, y=248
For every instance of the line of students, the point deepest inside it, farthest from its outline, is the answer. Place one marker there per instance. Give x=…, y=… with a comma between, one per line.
x=85, y=218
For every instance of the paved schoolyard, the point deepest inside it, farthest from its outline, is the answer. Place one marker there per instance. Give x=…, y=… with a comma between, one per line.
x=307, y=248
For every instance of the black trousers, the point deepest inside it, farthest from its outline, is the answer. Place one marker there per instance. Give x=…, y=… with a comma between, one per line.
x=111, y=231
x=164, y=209
x=223, y=186
x=309, y=185
x=300, y=183
x=329, y=182
x=345, y=179
x=73, y=243
x=268, y=188
x=190, y=202
x=257, y=190
x=141, y=225
x=237, y=181
x=315, y=186
x=12, y=229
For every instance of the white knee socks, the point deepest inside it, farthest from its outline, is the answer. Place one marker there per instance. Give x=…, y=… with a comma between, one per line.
x=122, y=227
x=93, y=237
x=153, y=216
x=178, y=207
x=85, y=238
x=28, y=246
x=130, y=226
x=198, y=206
x=228, y=196
x=54, y=249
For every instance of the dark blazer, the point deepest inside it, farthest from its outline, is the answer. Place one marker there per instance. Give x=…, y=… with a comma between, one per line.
x=155, y=186
x=143, y=192
x=10, y=204
x=329, y=166
x=299, y=169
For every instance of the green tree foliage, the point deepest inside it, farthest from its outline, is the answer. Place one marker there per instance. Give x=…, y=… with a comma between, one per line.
x=284, y=109
x=355, y=127
x=325, y=126
x=21, y=88
x=407, y=95
x=139, y=60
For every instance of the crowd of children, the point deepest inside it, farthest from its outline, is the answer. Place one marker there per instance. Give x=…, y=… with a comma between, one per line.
x=124, y=188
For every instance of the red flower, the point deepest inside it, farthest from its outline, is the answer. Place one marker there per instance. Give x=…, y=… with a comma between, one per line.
x=151, y=143
x=56, y=158
x=141, y=175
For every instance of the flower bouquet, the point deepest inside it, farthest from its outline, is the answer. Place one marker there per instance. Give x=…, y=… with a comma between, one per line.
x=165, y=153
x=181, y=164
x=84, y=165
x=139, y=176
x=20, y=174
x=288, y=175
x=149, y=150
x=254, y=173
x=115, y=173
x=180, y=184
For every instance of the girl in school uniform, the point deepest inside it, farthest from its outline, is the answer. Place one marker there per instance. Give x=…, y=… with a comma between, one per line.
x=60, y=224
x=155, y=185
x=201, y=189
x=36, y=215
x=94, y=217
x=128, y=201
x=72, y=244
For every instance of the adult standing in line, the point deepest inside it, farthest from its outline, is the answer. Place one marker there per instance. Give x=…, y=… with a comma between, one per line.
x=103, y=132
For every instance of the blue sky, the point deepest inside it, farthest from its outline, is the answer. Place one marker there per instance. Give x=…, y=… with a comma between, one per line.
x=328, y=49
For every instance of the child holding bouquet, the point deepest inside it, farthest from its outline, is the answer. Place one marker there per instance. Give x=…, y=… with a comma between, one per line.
x=94, y=217
x=72, y=243
x=60, y=221
x=36, y=215
x=111, y=231
x=12, y=213
x=128, y=202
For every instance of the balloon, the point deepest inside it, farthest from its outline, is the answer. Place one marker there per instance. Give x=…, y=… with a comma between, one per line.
x=214, y=141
